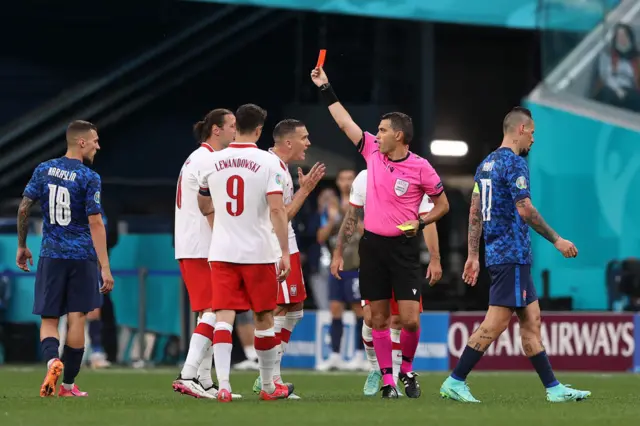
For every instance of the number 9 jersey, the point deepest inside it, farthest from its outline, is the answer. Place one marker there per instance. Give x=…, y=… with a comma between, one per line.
x=238, y=179
x=69, y=192
x=502, y=180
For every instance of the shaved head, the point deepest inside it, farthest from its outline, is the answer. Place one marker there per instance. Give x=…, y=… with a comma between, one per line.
x=82, y=140
x=78, y=129
x=517, y=117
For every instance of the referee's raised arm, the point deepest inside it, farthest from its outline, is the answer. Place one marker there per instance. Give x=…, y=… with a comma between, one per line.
x=338, y=112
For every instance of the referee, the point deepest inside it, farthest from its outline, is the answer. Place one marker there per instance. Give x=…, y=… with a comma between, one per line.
x=389, y=258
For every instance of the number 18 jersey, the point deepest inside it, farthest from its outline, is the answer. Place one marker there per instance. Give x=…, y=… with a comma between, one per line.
x=238, y=179
x=502, y=180
x=69, y=192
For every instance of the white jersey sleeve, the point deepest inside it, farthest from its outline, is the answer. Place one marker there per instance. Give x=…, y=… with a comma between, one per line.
x=426, y=205
x=239, y=181
x=275, y=185
x=287, y=196
x=192, y=230
x=358, y=196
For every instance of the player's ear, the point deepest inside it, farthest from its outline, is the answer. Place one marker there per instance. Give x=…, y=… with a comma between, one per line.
x=216, y=130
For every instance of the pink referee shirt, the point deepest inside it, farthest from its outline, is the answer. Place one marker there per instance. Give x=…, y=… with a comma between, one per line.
x=394, y=188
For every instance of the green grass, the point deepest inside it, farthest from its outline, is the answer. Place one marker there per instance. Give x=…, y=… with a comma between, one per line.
x=141, y=398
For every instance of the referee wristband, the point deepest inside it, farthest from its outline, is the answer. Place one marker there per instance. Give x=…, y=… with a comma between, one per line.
x=328, y=94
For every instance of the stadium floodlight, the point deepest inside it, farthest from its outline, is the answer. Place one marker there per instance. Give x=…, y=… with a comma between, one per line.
x=449, y=148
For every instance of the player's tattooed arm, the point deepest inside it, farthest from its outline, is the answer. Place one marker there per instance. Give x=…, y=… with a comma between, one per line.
x=534, y=219
x=475, y=225
x=23, y=221
x=349, y=226
x=205, y=204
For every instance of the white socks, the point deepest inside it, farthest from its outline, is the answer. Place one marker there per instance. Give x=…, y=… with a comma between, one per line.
x=222, y=341
x=278, y=325
x=396, y=353
x=198, y=346
x=266, y=345
x=367, y=338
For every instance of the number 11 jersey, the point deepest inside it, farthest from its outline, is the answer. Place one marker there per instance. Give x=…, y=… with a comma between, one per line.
x=69, y=192
x=238, y=179
x=502, y=180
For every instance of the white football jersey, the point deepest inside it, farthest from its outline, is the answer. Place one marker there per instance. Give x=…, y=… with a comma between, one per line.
x=239, y=179
x=358, y=195
x=288, y=198
x=192, y=230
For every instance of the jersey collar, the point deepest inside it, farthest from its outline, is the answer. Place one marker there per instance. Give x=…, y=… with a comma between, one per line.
x=207, y=147
x=242, y=145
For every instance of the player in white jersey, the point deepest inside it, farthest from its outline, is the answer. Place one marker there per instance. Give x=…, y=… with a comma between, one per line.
x=192, y=241
x=357, y=201
x=291, y=140
x=243, y=185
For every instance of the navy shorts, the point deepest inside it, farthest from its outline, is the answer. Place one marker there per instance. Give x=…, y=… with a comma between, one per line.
x=64, y=286
x=511, y=285
x=347, y=289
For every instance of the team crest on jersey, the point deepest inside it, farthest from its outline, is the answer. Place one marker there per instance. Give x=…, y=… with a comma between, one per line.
x=96, y=197
x=521, y=183
x=294, y=290
x=401, y=187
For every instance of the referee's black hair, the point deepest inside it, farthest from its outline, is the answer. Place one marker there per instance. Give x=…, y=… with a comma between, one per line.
x=400, y=122
x=518, y=115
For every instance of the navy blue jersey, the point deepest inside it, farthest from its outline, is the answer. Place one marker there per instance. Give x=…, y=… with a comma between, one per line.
x=502, y=179
x=69, y=192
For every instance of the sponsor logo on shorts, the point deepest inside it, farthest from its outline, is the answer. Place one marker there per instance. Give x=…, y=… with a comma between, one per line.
x=294, y=290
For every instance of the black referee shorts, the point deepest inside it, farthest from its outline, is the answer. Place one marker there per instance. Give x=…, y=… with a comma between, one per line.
x=390, y=265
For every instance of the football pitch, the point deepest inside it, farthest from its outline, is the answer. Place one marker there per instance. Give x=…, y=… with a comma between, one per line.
x=123, y=397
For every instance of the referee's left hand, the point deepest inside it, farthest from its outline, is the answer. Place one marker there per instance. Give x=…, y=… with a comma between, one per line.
x=414, y=225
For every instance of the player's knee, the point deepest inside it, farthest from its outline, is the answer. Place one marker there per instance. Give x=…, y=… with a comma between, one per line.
x=396, y=322
x=411, y=324
x=380, y=320
x=531, y=326
x=336, y=309
x=263, y=320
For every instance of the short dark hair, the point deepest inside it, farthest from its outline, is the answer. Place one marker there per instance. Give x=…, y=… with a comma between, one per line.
x=77, y=128
x=518, y=115
x=286, y=127
x=400, y=122
x=345, y=170
x=249, y=117
x=216, y=117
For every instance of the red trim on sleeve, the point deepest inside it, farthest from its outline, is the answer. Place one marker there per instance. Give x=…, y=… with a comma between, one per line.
x=355, y=205
x=274, y=192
